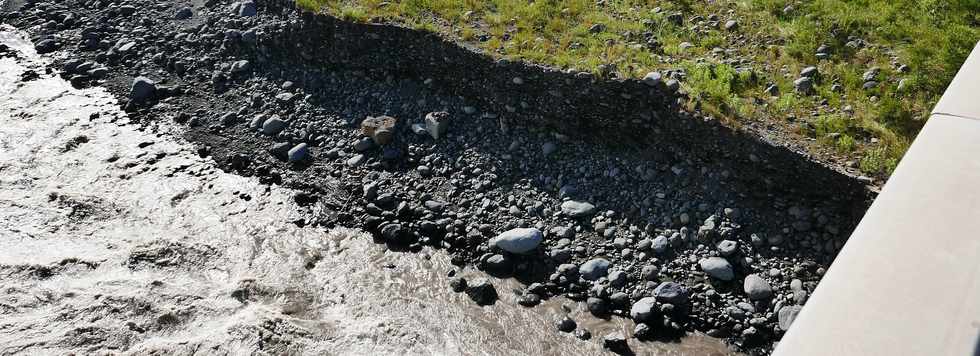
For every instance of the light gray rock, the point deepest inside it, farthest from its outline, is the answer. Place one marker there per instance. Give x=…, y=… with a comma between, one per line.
x=660, y=244
x=577, y=209
x=787, y=315
x=617, y=279
x=653, y=79
x=717, y=268
x=594, y=269
x=756, y=287
x=644, y=310
x=727, y=247
x=519, y=241
x=437, y=124
x=809, y=72
x=803, y=85
x=356, y=160
x=273, y=126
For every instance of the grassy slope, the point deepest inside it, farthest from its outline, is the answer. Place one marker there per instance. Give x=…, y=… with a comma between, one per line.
x=872, y=128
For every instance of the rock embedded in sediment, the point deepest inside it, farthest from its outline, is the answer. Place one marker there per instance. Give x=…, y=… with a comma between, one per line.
x=142, y=89
x=299, y=153
x=458, y=284
x=273, y=125
x=482, y=292
x=653, y=79
x=565, y=324
x=756, y=287
x=594, y=269
x=577, y=209
x=381, y=129
x=671, y=292
x=437, y=124
x=615, y=342
x=184, y=13
x=519, y=241
x=644, y=310
x=717, y=268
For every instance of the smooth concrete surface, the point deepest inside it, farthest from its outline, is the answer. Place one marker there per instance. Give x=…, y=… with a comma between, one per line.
x=908, y=280
x=962, y=98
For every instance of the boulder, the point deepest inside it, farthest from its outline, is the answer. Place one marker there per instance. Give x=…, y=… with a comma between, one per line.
x=519, y=241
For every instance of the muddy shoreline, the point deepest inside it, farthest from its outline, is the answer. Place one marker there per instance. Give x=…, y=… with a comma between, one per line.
x=673, y=197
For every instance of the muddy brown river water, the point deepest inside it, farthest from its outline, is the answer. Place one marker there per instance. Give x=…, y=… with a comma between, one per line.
x=120, y=240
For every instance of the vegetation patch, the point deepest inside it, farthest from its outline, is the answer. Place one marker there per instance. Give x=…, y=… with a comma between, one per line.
x=882, y=64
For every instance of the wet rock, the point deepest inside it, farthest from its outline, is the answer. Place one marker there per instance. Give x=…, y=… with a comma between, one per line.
x=594, y=269
x=482, y=292
x=498, y=264
x=583, y=334
x=615, y=342
x=458, y=284
x=519, y=241
x=142, y=89
x=565, y=324
x=577, y=209
x=644, y=310
x=671, y=292
x=529, y=299
x=756, y=288
x=597, y=306
x=642, y=332
x=717, y=268
x=437, y=124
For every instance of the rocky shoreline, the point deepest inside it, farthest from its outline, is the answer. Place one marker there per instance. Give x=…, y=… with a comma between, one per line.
x=600, y=191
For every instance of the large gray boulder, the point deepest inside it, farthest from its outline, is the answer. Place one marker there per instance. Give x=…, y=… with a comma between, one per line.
x=717, y=268
x=577, y=209
x=594, y=269
x=644, y=309
x=519, y=241
x=756, y=287
x=273, y=126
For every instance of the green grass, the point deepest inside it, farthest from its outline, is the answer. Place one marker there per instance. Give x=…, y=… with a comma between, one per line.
x=931, y=37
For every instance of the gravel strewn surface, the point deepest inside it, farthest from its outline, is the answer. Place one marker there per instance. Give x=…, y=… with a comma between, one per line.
x=596, y=190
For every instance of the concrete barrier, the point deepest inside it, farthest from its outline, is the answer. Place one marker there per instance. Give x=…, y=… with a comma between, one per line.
x=908, y=280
